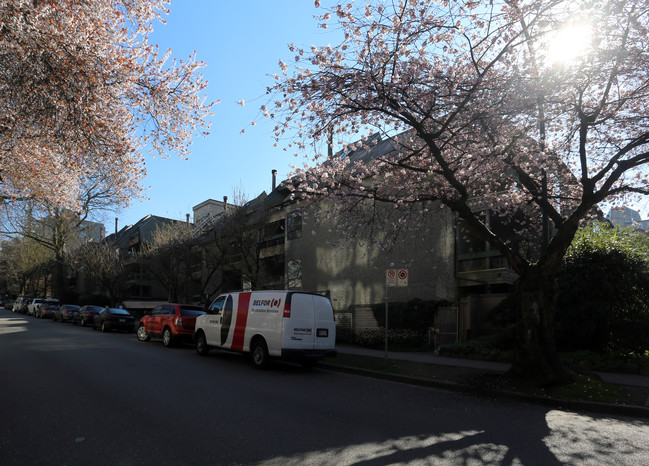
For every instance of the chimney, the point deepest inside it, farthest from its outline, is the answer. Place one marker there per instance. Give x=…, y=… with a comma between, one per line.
x=187, y=215
x=225, y=204
x=116, y=225
x=274, y=172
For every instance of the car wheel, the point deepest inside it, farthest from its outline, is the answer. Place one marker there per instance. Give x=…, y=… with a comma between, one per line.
x=167, y=338
x=83, y=322
x=201, y=344
x=259, y=354
x=142, y=334
x=104, y=328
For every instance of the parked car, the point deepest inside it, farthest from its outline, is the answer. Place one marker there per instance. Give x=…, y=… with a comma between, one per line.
x=172, y=322
x=33, y=305
x=86, y=315
x=66, y=312
x=21, y=303
x=47, y=310
x=112, y=318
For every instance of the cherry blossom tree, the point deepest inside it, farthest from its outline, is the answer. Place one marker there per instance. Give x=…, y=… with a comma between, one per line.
x=82, y=91
x=487, y=115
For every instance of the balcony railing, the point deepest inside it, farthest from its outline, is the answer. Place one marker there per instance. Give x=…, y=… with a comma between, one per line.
x=488, y=268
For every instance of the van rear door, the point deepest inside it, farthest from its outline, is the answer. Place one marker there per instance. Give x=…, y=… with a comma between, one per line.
x=325, y=326
x=310, y=325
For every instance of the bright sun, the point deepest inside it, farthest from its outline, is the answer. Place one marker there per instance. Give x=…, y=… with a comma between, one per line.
x=568, y=43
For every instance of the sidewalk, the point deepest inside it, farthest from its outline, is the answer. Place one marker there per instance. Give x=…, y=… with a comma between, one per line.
x=635, y=380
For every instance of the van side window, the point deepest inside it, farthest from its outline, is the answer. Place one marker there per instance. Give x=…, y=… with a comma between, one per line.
x=217, y=306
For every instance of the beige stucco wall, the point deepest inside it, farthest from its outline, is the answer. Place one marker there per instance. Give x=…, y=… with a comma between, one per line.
x=353, y=272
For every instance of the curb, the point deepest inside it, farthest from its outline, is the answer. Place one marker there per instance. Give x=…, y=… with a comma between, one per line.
x=580, y=406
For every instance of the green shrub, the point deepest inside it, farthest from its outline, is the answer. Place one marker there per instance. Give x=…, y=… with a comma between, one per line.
x=604, y=292
x=491, y=347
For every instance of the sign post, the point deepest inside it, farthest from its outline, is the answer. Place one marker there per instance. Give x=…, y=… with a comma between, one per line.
x=393, y=277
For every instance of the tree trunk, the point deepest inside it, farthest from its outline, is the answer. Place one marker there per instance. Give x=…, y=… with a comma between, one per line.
x=59, y=279
x=173, y=291
x=536, y=354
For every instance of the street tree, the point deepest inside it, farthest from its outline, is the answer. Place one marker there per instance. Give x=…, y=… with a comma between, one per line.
x=242, y=234
x=169, y=257
x=26, y=265
x=57, y=228
x=490, y=113
x=230, y=245
x=83, y=92
x=104, y=265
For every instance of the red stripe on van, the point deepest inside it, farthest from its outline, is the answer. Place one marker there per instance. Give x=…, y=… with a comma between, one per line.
x=242, y=320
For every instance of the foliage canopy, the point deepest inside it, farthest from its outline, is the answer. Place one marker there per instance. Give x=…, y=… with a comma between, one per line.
x=83, y=92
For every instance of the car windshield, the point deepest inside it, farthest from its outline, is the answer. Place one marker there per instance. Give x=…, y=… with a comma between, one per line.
x=191, y=311
x=121, y=312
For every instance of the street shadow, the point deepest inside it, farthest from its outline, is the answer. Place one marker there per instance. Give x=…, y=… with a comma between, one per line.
x=487, y=432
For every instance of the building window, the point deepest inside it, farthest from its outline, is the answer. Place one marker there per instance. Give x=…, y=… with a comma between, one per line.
x=294, y=225
x=295, y=274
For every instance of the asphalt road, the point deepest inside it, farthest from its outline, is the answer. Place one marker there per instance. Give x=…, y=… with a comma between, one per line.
x=76, y=396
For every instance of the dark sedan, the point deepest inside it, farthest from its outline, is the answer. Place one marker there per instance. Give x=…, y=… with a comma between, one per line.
x=46, y=310
x=66, y=312
x=112, y=318
x=86, y=315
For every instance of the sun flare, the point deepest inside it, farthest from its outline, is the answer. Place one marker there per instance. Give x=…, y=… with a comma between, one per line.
x=568, y=43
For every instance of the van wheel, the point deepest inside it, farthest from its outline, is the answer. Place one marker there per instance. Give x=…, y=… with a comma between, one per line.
x=201, y=344
x=142, y=334
x=259, y=354
x=167, y=338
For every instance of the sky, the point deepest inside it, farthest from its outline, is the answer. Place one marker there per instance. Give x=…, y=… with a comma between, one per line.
x=241, y=42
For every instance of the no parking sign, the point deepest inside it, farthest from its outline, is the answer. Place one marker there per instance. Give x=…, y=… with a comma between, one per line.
x=396, y=277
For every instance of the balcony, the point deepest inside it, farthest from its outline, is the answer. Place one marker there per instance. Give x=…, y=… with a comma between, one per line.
x=484, y=268
x=133, y=240
x=272, y=246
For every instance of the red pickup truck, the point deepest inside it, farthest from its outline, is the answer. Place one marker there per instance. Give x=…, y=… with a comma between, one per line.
x=171, y=322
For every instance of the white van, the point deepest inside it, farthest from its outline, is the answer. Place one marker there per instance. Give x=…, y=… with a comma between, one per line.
x=269, y=324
